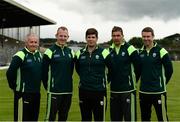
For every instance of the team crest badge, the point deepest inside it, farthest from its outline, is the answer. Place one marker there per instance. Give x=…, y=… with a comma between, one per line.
x=123, y=54
x=97, y=56
x=154, y=54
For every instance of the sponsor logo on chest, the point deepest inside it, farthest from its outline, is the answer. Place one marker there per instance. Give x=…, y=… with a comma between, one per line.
x=83, y=57
x=97, y=57
x=29, y=60
x=56, y=56
x=142, y=55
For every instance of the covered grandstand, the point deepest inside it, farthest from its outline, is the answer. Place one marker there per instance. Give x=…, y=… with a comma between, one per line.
x=16, y=22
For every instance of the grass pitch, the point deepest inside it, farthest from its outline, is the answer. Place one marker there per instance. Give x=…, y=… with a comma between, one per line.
x=6, y=99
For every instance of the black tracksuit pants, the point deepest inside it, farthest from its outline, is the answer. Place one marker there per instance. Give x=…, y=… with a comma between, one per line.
x=26, y=106
x=58, y=103
x=92, y=103
x=123, y=106
x=159, y=103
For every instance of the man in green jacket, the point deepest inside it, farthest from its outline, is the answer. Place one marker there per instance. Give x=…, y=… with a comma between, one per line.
x=123, y=74
x=156, y=72
x=24, y=78
x=58, y=65
x=90, y=66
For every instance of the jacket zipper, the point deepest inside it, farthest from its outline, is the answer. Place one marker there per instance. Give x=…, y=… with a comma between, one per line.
x=90, y=61
x=62, y=51
x=23, y=87
x=129, y=80
x=104, y=83
x=160, y=82
x=52, y=82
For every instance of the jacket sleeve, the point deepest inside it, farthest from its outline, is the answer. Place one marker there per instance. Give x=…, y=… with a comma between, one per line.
x=73, y=61
x=11, y=73
x=76, y=64
x=137, y=64
x=76, y=60
x=166, y=61
x=108, y=64
x=45, y=70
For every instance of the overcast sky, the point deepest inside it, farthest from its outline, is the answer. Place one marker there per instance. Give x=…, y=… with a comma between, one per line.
x=132, y=15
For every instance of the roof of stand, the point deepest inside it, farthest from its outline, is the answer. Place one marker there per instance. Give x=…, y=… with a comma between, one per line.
x=13, y=14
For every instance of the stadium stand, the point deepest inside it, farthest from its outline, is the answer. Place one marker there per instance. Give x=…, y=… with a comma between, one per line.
x=8, y=47
x=16, y=21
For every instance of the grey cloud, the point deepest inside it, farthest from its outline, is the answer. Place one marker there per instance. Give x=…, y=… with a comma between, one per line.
x=125, y=10
x=135, y=9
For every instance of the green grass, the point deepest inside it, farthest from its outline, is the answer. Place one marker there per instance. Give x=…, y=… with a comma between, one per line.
x=6, y=99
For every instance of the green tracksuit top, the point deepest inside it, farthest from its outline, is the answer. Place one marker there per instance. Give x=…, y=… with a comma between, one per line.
x=58, y=65
x=25, y=71
x=156, y=70
x=91, y=68
x=124, y=69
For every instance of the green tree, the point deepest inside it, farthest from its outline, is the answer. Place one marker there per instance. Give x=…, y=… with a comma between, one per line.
x=136, y=42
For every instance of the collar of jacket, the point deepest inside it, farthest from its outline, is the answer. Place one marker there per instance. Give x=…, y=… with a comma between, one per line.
x=61, y=45
x=86, y=48
x=113, y=45
x=144, y=47
x=30, y=51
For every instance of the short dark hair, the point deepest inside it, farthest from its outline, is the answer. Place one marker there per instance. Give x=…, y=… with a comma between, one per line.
x=92, y=31
x=148, y=29
x=116, y=28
